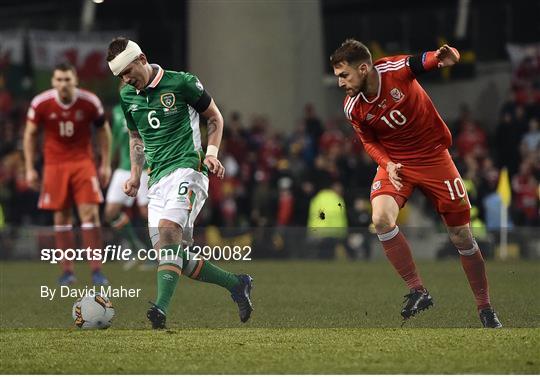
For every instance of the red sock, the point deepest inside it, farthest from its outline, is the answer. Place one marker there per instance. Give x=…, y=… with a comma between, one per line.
x=91, y=237
x=398, y=252
x=475, y=269
x=65, y=239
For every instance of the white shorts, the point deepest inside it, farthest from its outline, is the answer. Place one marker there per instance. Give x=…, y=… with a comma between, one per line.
x=178, y=197
x=115, y=193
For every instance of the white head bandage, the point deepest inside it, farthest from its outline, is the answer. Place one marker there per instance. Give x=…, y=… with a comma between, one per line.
x=122, y=60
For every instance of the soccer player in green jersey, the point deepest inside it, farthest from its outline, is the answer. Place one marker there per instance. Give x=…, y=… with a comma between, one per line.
x=162, y=112
x=116, y=198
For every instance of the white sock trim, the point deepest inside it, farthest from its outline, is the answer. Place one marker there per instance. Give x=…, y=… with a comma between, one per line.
x=171, y=256
x=88, y=225
x=388, y=236
x=470, y=251
x=63, y=228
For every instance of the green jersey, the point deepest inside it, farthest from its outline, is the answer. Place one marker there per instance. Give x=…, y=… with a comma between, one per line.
x=166, y=115
x=120, y=138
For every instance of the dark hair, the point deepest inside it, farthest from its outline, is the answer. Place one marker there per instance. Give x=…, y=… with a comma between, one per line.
x=64, y=67
x=116, y=46
x=352, y=52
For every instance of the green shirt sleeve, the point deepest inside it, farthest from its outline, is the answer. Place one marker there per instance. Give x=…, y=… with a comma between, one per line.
x=191, y=89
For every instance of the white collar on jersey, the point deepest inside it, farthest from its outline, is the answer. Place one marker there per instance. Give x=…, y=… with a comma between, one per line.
x=156, y=79
x=378, y=90
x=63, y=105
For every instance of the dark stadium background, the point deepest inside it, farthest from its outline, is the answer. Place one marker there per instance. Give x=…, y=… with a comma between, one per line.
x=494, y=23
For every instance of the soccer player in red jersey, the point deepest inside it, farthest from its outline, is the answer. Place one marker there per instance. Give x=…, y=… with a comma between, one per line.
x=66, y=114
x=403, y=132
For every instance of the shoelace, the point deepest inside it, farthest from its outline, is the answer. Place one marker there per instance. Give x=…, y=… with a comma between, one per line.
x=489, y=316
x=408, y=297
x=238, y=296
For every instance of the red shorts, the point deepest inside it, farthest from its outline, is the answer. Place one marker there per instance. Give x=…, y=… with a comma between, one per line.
x=439, y=181
x=74, y=181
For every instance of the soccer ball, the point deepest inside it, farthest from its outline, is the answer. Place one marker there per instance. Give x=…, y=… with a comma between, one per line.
x=93, y=311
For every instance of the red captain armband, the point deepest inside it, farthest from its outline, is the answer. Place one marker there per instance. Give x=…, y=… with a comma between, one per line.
x=425, y=62
x=429, y=60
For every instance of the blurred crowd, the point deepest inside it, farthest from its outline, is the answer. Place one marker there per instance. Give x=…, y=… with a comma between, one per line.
x=514, y=144
x=273, y=177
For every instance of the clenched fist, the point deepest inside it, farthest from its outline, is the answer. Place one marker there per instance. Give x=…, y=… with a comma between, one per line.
x=131, y=186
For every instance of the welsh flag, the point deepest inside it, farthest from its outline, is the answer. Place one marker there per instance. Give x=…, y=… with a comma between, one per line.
x=86, y=51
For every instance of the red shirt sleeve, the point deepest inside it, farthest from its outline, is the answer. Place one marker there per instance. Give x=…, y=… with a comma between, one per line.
x=94, y=102
x=34, y=113
x=372, y=146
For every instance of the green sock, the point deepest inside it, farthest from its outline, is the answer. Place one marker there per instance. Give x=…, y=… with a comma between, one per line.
x=167, y=277
x=210, y=273
x=169, y=273
x=124, y=226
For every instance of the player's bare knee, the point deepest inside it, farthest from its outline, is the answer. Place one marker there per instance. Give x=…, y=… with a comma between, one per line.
x=461, y=237
x=383, y=222
x=89, y=214
x=63, y=217
x=385, y=212
x=169, y=232
x=111, y=212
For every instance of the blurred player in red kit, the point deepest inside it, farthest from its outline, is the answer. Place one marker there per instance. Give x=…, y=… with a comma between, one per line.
x=66, y=114
x=403, y=132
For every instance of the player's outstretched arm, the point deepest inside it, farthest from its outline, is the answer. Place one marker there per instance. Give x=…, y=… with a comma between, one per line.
x=104, y=137
x=136, y=155
x=29, y=148
x=215, y=132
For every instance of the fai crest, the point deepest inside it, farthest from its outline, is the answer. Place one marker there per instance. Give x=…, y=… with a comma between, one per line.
x=396, y=94
x=168, y=100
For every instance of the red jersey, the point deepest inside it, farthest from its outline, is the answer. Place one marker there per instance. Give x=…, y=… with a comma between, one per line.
x=68, y=133
x=400, y=124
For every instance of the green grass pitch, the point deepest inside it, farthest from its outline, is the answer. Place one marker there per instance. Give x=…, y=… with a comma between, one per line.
x=310, y=317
